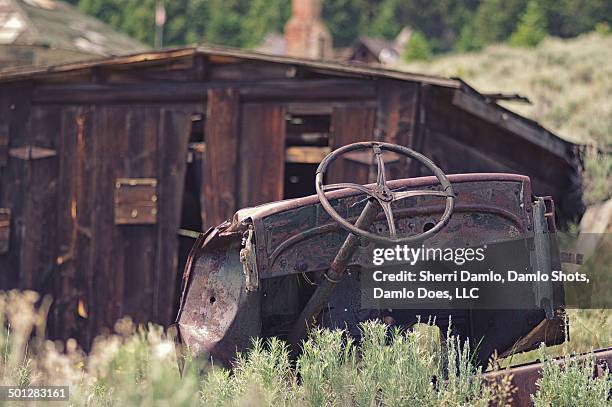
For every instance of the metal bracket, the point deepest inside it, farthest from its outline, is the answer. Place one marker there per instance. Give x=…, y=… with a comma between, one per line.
x=540, y=258
x=135, y=201
x=31, y=153
x=249, y=260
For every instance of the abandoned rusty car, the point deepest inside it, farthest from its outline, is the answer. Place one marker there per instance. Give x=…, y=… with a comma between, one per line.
x=277, y=268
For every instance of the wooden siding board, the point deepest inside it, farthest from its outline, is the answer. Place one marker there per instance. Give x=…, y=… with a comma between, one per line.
x=73, y=222
x=467, y=158
x=250, y=71
x=116, y=270
x=139, y=241
x=39, y=246
x=350, y=124
x=396, y=120
x=262, y=154
x=494, y=141
x=218, y=195
x=111, y=127
x=506, y=120
x=187, y=92
x=14, y=112
x=172, y=166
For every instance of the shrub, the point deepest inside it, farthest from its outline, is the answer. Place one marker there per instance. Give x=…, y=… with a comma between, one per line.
x=139, y=366
x=571, y=385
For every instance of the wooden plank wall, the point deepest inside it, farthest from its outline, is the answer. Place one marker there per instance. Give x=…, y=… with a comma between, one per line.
x=262, y=153
x=172, y=142
x=218, y=194
x=397, y=120
x=99, y=271
x=350, y=124
x=461, y=142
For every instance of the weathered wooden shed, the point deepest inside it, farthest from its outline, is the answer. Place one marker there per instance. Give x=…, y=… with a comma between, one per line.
x=107, y=164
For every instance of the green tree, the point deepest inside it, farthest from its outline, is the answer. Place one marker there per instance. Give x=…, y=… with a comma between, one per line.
x=417, y=48
x=440, y=21
x=195, y=26
x=263, y=16
x=531, y=29
x=348, y=19
x=468, y=39
x=494, y=21
x=224, y=25
x=568, y=18
x=387, y=23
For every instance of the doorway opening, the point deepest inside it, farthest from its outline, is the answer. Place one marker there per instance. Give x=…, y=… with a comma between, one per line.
x=191, y=219
x=307, y=143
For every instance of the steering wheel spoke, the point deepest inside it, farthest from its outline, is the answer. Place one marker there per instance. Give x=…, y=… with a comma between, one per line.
x=386, y=207
x=350, y=185
x=397, y=196
x=380, y=164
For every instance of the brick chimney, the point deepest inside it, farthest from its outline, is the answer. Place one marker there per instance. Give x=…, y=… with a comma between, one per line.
x=305, y=34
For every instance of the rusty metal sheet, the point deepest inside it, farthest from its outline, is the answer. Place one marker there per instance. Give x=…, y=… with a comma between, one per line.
x=135, y=201
x=299, y=235
x=524, y=377
x=218, y=315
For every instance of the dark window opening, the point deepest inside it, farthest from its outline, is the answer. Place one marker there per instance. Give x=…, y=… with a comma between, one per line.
x=307, y=142
x=191, y=220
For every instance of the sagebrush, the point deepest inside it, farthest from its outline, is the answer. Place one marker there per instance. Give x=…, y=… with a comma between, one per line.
x=138, y=366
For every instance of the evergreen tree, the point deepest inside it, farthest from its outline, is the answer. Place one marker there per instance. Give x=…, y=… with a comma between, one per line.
x=468, y=39
x=417, y=48
x=494, y=21
x=348, y=19
x=263, y=17
x=387, y=23
x=531, y=28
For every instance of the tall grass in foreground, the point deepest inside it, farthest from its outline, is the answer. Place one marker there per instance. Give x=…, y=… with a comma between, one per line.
x=138, y=366
x=572, y=385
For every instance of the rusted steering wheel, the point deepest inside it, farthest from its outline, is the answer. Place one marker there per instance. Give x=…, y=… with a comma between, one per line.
x=382, y=194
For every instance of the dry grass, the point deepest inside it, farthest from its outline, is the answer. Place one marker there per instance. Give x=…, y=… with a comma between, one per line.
x=139, y=367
